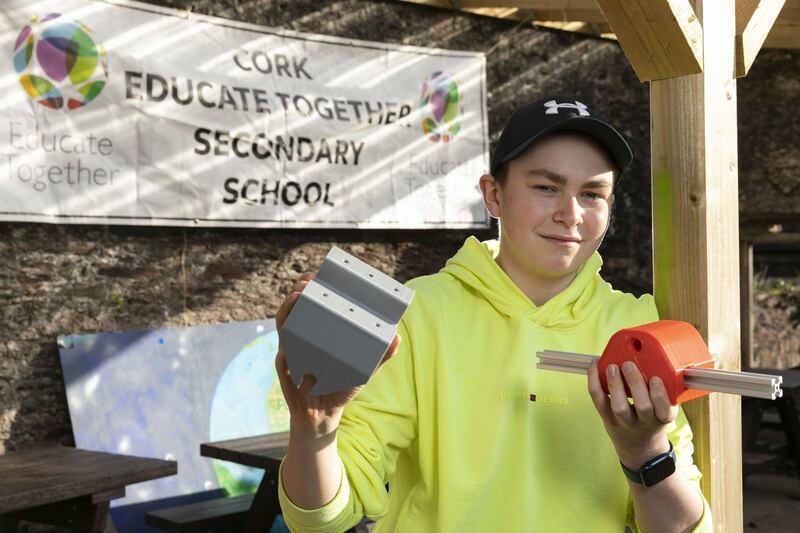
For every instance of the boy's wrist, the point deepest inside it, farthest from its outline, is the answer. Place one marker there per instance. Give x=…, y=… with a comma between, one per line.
x=637, y=456
x=312, y=438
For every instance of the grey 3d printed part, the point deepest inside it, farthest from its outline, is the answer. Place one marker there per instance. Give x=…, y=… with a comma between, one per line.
x=343, y=323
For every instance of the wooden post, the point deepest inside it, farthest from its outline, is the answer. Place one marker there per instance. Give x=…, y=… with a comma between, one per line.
x=696, y=240
x=746, y=295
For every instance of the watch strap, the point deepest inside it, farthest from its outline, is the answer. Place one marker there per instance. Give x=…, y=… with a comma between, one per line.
x=654, y=470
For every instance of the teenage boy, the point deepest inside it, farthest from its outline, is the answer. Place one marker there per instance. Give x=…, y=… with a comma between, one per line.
x=467, y=432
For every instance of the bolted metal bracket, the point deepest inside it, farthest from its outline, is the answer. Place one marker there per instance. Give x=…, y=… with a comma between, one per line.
x=343, y=323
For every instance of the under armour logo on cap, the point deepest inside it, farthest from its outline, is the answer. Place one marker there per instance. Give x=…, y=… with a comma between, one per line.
x=552, y=108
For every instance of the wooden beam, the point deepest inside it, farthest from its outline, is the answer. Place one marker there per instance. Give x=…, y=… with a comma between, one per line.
x=594, y=16
x=596, y=29
x=545, y=20
x=661, y=38
x=784, y=35
x=526, y=4
x=790, y=11
x=785, y=31
x=754, y=20
x=500, y=12
x=587, y=28
x=544, y=10
x=761, y=238
x=523, y=4
x=695, y=240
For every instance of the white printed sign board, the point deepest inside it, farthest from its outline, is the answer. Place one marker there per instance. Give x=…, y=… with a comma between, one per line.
x=118, y=112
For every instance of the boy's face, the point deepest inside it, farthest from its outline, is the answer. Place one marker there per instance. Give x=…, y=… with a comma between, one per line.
x=553, y=206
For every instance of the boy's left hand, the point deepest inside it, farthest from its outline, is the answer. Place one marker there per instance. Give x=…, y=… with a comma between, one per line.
x=638, y=431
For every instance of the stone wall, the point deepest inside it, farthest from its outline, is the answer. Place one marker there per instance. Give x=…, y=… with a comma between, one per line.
x=769, y=141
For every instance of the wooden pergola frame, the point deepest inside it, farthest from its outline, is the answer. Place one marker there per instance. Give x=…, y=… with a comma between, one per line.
x=691, y=52
x=759, y=23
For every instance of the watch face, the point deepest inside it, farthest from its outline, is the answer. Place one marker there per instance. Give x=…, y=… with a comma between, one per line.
x=659, y=470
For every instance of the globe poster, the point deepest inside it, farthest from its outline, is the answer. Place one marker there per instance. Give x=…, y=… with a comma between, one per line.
x=162, y=393
x=119, y=112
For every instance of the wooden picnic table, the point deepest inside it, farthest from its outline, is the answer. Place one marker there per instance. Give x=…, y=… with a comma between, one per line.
x=264, y=451
x=69, y=487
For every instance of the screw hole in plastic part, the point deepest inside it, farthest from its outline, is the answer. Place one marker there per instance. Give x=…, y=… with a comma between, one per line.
x=636, y=344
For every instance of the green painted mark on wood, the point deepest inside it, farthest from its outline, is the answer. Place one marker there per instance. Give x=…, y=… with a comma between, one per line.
x=663, y=238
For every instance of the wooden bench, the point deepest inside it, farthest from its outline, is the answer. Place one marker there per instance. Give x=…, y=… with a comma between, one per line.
x=237, y=514
x=218, y=515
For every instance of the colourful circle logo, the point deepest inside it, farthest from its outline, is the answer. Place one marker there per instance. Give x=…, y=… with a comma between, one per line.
x=59, y=62
x=441, y=103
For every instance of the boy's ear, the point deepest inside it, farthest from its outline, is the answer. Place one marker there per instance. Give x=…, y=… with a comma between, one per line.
x=490, y=190
x=610, y=212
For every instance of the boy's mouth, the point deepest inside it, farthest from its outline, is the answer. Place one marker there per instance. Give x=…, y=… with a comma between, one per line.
x=562, y=240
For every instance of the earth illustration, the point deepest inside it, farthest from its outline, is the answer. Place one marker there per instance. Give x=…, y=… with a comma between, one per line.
x=247, y=401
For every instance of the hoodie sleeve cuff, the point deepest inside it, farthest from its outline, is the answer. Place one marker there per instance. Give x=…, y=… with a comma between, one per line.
x=329, y=517
x=706, y=524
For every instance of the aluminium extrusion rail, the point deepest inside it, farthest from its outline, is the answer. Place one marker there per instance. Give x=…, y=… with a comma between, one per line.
x=765, y=386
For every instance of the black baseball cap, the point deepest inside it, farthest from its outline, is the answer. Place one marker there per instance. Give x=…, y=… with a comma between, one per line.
x=556, y=113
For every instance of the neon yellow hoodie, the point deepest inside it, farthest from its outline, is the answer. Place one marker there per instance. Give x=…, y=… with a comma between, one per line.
x=468, y=433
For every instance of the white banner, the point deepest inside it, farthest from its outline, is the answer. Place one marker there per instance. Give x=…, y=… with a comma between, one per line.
x=118, y=112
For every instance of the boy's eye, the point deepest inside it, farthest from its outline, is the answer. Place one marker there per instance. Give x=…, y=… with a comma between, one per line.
x=592, y=195
x=544, y=188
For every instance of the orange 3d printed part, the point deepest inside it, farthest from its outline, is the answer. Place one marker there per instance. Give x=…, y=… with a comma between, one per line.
x=675, y=352
x=664, y=349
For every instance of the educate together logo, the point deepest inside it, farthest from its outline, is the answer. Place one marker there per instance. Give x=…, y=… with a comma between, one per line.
x=59, y=62
x=442, y=99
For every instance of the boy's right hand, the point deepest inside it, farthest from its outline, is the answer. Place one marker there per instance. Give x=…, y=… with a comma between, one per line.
x=312, y=416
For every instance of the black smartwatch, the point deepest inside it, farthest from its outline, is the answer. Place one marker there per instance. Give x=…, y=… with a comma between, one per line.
x=656, y=469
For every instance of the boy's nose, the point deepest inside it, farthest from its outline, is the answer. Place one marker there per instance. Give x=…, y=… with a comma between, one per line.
x=569, y=212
